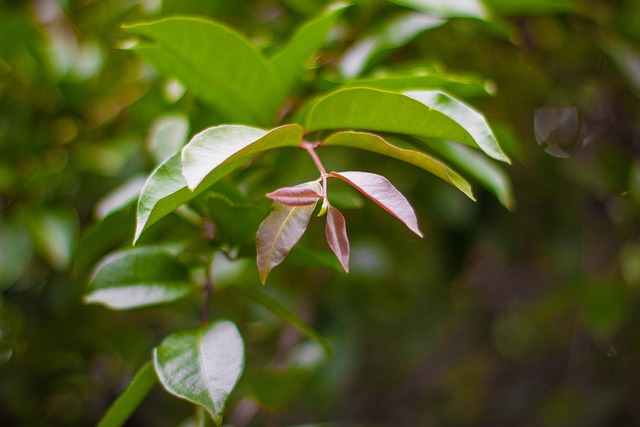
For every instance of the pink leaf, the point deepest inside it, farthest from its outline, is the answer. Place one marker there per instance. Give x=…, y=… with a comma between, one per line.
x=295, y=196
x=381, y=191
x=336, y=231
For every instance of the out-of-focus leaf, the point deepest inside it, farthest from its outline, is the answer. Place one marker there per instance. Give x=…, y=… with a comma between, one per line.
x=216, y=63
x=235, y=224
x=627, y=58
x=604, y=305
x=530, y=7
x=401, y=151
x=432, y=114
x=336, y=232
x=469, y=161
x=16, y=249
x=384, y=194
x=167, y=135
x=138, y=277
x=216, y=151
x=289, y=64
x=280, y=231
x=202, y=365
x=395, y=32
x=448, y=8
x=120, y=198
x=55, y=232
x=128, y=401
x=287, y=315
x=209, y=156
x=295, y=196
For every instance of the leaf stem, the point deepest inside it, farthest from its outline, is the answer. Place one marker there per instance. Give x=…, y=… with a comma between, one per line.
x=310, y=147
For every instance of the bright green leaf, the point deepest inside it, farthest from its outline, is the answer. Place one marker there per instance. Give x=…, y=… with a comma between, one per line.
x=289, y=64
x=216, y=63
x=209, y=156
x=138, y=277
x=401, y=151
x=392, y=33
x=128, y=401
x=202, y=365
x=431, y=114
x=448, y=8
x=167, y=135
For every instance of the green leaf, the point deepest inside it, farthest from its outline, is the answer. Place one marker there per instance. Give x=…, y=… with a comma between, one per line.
x=167, y=135
x=530, y=7
x=287, y=315
x=431, y=114
x=119, y=198
x=448, y=8
x=289, y=64
x=469, y=161
x=202, y=365
x=138, y=277
x=280, y=231
x=216, y=63
x=55, y=233
x=130, y=399
x=394, y=32
x=209, y=156
x=401, y=151
x=16, y=250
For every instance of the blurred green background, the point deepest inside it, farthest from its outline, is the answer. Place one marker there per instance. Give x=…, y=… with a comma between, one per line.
x=495, y=318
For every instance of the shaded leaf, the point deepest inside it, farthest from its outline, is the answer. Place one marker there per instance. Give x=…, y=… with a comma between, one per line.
x=120, y=198
x=295, y=196
x=530, y=7
x=138, y=277
x=16, y=250
x=55, y=233
x=422, y=113
x=336, y=232
x=202, y=365
x=289, y=64
x=131, y=397
x=384, y=194
x=216, y=63
x=280, y=231
x=401, y=151
x=395, y=32
x=166, y=189
x=448, y=8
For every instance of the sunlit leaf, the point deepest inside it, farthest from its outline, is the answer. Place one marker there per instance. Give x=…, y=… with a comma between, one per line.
x=216, y=63
x=138, y=277
x=202, y=365
x=448, y=8
x=395, y=32
x=209, y=156
x=401, y=151
x=431, y=114
x=289, y=64
x=167, y=135
x=280, y=231
x=131, y=397
x=295, y=196
x=384, y=194
x=336, y=232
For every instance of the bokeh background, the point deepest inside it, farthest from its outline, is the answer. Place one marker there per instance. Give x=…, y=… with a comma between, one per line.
x=495, y=318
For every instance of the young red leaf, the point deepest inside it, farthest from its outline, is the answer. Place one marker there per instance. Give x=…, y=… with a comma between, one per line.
x=381, y=191
x=295, y=196
x=336, y=231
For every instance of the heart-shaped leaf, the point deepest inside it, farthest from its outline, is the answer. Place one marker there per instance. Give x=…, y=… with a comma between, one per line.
x=202, y=365
x=431, y=114
x=289, y=63
x=402, y=151
x=280, y=231
x=216, y=63
x=384, y=194
x=336, y=232
x=209, y=156
x=295, y=196
x=138, y=277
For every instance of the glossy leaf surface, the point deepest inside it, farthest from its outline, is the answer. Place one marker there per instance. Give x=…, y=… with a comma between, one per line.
x=384, y=194
x=401, y=151
x=289, y=64
x=128, y=401
x=138, y=277
x=280, y=231
x=211, y=155
x=295, y=196
x=202, y=365
x=395, y=32
x=422, y=113
x=216, y=63
x=336, y=233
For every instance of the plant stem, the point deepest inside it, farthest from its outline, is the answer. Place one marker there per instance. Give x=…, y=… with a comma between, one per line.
x=208, y=289
x=310, y=147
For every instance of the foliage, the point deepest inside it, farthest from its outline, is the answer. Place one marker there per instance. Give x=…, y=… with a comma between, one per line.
x=166, y=124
